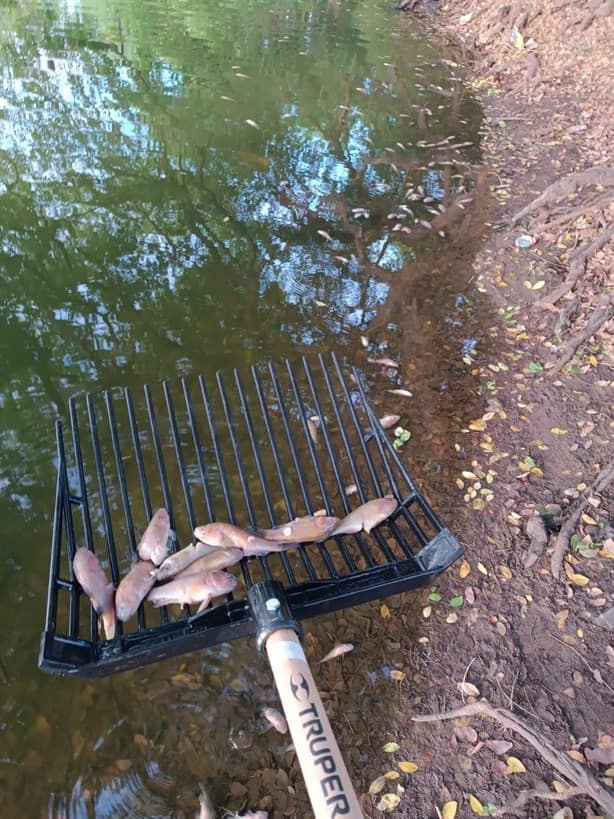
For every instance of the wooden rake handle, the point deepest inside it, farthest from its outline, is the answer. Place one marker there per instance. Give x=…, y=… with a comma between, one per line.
x=326, y=777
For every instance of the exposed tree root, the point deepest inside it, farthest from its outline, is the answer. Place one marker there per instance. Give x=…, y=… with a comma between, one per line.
x=602, y=313
x=583, y=781
x=518, y=806
x=566, y=186
x=600, y=484
x=576, y=267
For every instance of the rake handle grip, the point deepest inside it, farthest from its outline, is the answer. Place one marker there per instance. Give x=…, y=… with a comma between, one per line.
x=329, y=786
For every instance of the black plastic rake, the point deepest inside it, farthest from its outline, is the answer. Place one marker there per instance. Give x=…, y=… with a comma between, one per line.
x=255, y=449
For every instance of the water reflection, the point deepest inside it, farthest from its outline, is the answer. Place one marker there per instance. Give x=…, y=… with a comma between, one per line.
x=147, y=228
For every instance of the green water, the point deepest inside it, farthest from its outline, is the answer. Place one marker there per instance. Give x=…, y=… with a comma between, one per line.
x=148, y=229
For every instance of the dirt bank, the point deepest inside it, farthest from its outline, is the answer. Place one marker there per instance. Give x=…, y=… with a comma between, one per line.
x=535, y=467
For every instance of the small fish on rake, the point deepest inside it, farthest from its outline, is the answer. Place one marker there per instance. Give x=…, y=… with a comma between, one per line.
x=96, y=585
x=153, y=545
x=386, y=362
x=277, y=719
x=388, y=421
x=337, y=651
x=403, y=393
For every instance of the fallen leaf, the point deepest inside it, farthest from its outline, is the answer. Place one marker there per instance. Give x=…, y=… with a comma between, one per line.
x=388, y=802
x=392, y=775
x=464, y=570
x=391, y=747
x=397, y=675
x=579, y=579
x=449, y=810
x=468, y=689
x=482, y=568
x=499, y=746
x=377, y=785
x=475, y=805
x=384, y=611
x=515, y=765
x=456, y=602
x=452, y=618
x=558, y=431
x=478, y=426
x=408, y=767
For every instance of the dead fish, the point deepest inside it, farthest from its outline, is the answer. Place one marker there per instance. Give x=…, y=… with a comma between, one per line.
x=308, y=529
x=388, y=421
x=228, y=99
x=225, y=535
x=243, y=76
x=193, y=588
x=325, y=235
x=320, y=303
x=404, y=393
x=253, y=124
x=386, y=362
x=181, y=560
x=133, y=589
x=364, y=341
x=207, y=811
x=351, y=489
x=367, y=516
x=216, y=560
x=153, y=545
x=313, y=430
x=99, y=589
x=337, y=651
x=277, y=720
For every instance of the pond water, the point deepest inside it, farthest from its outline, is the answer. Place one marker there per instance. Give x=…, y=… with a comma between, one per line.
x=187, y=186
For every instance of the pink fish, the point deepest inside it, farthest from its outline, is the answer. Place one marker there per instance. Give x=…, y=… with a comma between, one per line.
x=277, y=720
x=387, y=362
x=227, y=536
x=193, y=588
x=216, y=560
x=154, y=543
x=309, y=529
x=133, y=589
x=181, y=560
x=367, y=516
x=94, y=582
x=337, y=651
x=388, y=421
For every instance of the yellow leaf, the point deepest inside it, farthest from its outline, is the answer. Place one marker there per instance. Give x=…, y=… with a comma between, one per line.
x=377, y=785
x=471, y=476
x=537, y=471
x=392, y=775
x=515, y=765
x=538, y=285
x=399, y=676
x=408, y=767
x=505, y=572
x=592, y=360
x=579, y=579
x=388, y=802
x=449, y=810
x=478, y=425
x=588, y=519
x=384, y=610
x=558, y=431
x=475, y=805
x=460, y=483
x=465, y=569
x=558, y=786
x=482, y=568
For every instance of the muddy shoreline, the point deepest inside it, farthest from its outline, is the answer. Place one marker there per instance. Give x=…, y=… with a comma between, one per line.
x=527, y=641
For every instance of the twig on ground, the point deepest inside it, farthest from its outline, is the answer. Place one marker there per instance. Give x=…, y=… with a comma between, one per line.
x=602, y=313
x=583, y=781
x=518, y=806
x=594, y=671
x=601, y=482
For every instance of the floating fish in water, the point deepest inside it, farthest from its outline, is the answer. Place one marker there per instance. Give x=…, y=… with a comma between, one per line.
x=218, y=559
x=99, y=589
x=325, y=235
x=253, y=124
x=225, y=535
x=337, y=651
x=228, y=99
x=320, y=303
x=193, y=588
x=153, y=545
x=243, y=76
x=277, y=720
x=388, y=421
x=183, y=560
x=386, y=362
x=364, y=341
x=367, y=516
x=308, y=529
x=133, y=589
x=404, y=393
x=207, y=811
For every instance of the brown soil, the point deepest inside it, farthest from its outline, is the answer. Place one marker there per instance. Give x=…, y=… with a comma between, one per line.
x=528, y=642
